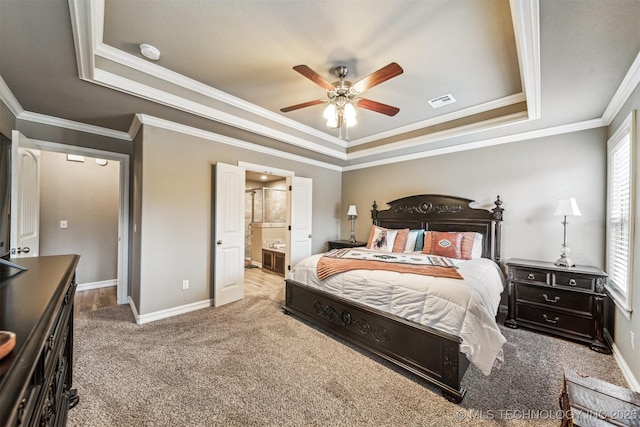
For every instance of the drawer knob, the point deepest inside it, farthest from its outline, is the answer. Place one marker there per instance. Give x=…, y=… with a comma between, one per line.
x=572, y=282
x=547, y=299
x=554, y=320
x=531, y=276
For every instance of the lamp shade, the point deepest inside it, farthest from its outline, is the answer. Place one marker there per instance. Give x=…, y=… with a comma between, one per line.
x=352, y=211
x=567, y=207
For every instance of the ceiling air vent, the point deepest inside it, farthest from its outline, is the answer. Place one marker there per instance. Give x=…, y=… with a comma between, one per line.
x=442, y=100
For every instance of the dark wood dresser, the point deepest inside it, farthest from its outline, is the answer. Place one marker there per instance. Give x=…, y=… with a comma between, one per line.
x=566, y=302
x=36, y=377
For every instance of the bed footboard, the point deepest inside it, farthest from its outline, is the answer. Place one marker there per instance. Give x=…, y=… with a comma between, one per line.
x=428, y=353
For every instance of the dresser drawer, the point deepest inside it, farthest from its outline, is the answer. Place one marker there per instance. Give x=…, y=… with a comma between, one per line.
x=554, y=320
x=531, y=275
x=574, y=281
x=554, y=298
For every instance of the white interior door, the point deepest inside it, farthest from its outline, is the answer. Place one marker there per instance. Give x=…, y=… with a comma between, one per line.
x=25, y=197
x=299, y=218
x=228, y=237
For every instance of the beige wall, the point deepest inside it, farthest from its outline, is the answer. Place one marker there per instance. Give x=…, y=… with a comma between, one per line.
x=86, y=195
x=172, y=213
x=530, y=177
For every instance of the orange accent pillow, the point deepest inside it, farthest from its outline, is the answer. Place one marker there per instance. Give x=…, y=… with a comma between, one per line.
x=401, y=240
x=468, y=237
x=444, y=243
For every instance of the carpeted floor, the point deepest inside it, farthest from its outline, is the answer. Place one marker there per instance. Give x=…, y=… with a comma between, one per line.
x=248, y=364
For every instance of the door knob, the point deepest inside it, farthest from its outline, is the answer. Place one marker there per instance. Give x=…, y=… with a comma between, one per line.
x=219, y=242
x=25, y=250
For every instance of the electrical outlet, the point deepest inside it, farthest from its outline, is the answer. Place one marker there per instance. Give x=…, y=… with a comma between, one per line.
x=632, y=338
x=185, y=284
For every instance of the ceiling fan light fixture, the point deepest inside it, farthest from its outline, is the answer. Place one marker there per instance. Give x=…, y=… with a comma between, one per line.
x=332, y=122
x=350, y=115
x=340, y=111
x=330, y=112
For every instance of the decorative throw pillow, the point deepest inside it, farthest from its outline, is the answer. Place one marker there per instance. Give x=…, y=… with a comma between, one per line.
x=443, y=243
x=466, y=249
x=401, y=240
x=381, y=239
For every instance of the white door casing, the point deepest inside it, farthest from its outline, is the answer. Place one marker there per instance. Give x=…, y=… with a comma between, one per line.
x=25, y=197
x=299, y=214
x=228, y=237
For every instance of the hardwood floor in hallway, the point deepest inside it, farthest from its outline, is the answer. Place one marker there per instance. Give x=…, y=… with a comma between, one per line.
x=256, y=280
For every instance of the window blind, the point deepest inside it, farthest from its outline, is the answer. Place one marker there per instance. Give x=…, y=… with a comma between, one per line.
x=619, y=211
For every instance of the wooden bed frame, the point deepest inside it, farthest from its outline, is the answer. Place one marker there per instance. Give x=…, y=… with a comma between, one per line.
x=426, y=352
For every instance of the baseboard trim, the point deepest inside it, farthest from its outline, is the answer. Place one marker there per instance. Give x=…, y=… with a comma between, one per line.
x=97, y=285
x=632, y=382
x=170, y=312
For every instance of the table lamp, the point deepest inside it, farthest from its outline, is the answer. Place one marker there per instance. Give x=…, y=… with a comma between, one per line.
x=353, y=214
x=566, y=207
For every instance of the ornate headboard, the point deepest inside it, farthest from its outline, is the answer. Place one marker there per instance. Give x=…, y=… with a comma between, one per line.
x=436, y=212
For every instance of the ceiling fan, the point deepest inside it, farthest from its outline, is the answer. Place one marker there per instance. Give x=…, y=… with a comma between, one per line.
x=343, y=96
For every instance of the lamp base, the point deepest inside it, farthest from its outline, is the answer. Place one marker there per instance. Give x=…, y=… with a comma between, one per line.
x=564, y=261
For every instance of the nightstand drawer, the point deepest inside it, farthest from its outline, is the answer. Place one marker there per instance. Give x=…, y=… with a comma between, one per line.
x=555, y=320
x=531, y=275
x=554, y=297
x=574, y=281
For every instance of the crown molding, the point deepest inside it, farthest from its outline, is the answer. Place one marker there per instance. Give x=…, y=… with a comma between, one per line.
x=70, y=124
x=477, y=109
x=443, y=135
x=87, y=26
x=211, y=136
x=526, y=28
x=626, y=88
x=523, y=136
x=7, y=97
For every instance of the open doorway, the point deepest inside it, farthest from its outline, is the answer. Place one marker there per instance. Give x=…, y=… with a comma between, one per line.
x=265, y=221
x=101, y=160
x=298, y=213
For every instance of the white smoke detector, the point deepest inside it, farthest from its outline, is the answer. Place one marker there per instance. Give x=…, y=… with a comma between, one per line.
x=150, y=52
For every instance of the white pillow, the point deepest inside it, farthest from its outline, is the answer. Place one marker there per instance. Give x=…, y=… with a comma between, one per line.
x=476, y=249
x=411, y=240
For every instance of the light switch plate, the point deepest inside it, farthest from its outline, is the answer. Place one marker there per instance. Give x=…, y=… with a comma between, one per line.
x=64, y=224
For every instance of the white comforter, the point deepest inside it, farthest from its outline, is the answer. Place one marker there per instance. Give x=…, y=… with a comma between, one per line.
x=465, y=308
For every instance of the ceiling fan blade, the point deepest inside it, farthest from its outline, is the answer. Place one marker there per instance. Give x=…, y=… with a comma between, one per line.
x=314, y=77
x=378, y=107
x=303, y=105
x=382, y=75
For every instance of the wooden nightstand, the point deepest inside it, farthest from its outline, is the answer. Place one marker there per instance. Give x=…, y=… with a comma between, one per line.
x=339, y=244
x=566, y=302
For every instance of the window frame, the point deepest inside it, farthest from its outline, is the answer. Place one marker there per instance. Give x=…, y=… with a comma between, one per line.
x=627, y=129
